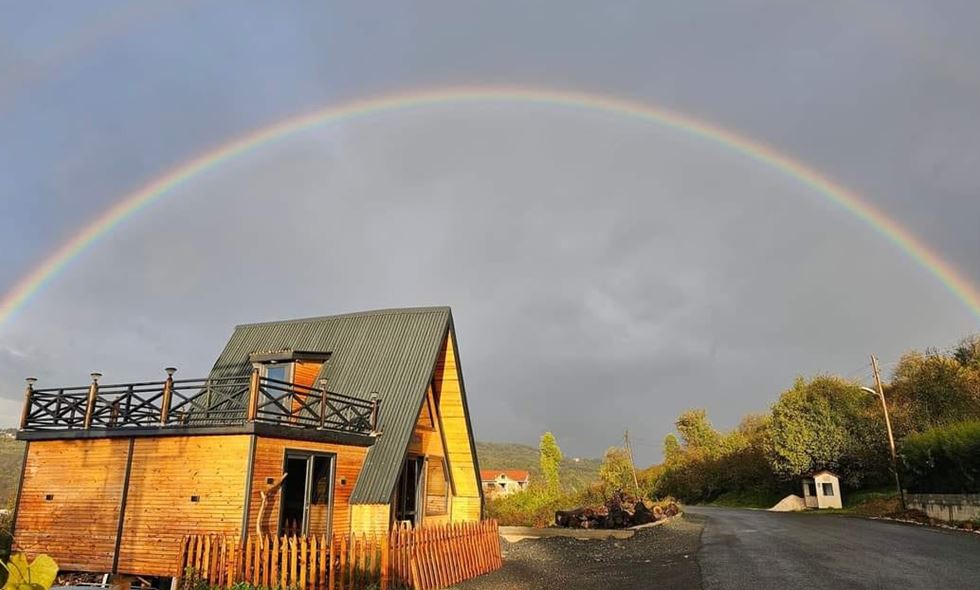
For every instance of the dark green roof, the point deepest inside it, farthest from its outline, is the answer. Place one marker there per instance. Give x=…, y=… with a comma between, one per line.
x=391, y=352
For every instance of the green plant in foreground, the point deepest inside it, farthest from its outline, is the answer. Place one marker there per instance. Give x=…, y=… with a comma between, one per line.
x=37, y=575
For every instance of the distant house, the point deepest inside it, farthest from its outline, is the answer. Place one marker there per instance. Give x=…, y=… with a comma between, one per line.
x=503, y=482
x=339, y=424
x=822, y=490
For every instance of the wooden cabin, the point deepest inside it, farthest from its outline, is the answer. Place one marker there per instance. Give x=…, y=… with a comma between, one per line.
x=347, y=423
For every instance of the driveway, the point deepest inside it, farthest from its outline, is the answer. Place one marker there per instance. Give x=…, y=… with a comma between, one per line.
x=660, y=557
x=761, y=550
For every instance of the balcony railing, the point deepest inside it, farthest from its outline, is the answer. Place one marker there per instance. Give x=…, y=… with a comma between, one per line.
x=227, y=401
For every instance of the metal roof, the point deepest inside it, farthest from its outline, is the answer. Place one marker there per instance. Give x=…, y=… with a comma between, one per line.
x=391, y=352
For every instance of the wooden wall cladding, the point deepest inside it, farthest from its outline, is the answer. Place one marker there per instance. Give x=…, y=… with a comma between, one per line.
x=69, y=503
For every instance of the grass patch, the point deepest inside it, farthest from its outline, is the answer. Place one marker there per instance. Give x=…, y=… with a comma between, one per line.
x=11, y=456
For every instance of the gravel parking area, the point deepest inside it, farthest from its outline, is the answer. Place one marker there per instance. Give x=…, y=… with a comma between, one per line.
x=659, y=557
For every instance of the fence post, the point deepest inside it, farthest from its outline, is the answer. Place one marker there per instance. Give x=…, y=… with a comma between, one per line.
x=25, y=415
x=323, y=403
x=253, y=396
x=168, y=393
x=93, y=392
x=385, y=561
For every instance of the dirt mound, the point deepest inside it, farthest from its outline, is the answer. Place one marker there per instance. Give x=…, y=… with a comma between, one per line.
x=791, y=503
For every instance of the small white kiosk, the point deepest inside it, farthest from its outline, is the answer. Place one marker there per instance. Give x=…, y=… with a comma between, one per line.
x=822, y=490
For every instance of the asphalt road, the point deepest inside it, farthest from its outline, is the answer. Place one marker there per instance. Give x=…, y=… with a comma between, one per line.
x=760, y=550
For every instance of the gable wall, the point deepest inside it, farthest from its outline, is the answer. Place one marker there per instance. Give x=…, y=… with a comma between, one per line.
x=467, y=504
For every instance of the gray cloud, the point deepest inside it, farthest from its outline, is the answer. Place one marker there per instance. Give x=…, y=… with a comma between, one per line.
x=605, y=273
x=601, y=277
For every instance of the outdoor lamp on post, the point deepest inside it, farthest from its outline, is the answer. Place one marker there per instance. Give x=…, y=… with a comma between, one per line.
x=891, y=440
x=168, y=392
x=93, y=392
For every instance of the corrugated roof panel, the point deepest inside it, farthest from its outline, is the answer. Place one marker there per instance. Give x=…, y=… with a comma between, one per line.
x=392, y=352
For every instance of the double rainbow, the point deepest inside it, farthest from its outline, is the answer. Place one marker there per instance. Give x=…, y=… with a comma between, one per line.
x=29, y=286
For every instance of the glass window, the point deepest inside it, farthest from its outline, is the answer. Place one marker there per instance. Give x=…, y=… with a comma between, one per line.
x=828, y=489
x=278, y=371
x=321, y=481
x=436, y=488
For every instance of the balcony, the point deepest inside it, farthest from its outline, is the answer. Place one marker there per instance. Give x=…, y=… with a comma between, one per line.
x=249, y=403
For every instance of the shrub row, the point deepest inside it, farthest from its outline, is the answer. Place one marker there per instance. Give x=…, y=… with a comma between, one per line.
x=944, y=460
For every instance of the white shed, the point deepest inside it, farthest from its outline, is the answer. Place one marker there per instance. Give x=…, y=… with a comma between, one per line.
x=822, y=490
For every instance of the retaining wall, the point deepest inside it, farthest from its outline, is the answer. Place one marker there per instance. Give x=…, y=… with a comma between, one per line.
x=948, y=507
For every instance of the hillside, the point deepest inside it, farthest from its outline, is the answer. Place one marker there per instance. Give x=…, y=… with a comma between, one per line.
x=575, y=474
x=11, y=454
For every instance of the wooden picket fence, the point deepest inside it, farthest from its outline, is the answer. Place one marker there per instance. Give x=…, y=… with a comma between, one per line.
x=425, y=558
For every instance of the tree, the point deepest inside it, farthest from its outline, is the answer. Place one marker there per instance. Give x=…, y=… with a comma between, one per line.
x=550, y=458
x=932, y=389
x=826, y=423
x=616, y=470
x=672, y=448
x=696, y=431
x=967, y=352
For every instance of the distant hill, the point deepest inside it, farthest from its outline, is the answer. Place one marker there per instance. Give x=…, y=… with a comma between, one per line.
x=576, y=474
x=11, y=454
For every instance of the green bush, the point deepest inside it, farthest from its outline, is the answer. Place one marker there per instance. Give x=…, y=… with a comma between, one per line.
x=944, y=460
x=534, y=506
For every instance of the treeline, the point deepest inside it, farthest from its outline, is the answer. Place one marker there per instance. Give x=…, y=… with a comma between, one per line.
x=829, y=422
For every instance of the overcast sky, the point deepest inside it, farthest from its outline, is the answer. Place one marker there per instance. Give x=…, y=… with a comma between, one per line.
x=604, y=272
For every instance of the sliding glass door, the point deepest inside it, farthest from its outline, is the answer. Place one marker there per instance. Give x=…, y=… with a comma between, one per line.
x=306, y=506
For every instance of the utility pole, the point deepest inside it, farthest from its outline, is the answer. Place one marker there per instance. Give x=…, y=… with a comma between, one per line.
x=629, y=452
x=888, y=425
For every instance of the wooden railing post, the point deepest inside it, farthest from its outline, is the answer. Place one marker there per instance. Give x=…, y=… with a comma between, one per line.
x=93, y=392
x=253, y=396
x=168, y=394
x=375, y=408
x=323, y=403
x=25, y=416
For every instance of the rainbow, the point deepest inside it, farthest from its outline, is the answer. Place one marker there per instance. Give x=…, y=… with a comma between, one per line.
x=22, y=292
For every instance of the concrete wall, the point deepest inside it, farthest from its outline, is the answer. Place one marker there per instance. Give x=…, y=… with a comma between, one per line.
x=948, y=507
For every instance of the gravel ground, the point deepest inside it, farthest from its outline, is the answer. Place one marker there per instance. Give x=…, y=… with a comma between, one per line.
x=659, y=557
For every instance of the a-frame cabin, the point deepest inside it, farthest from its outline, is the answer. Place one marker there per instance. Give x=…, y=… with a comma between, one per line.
x=346, y=423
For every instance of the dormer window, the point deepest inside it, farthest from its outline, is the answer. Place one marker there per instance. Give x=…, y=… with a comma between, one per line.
x=290, y=366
